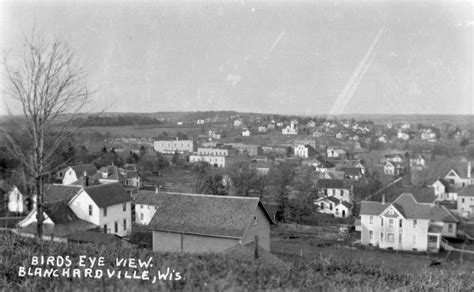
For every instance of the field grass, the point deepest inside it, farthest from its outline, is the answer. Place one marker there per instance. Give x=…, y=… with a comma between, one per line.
x=325, y=269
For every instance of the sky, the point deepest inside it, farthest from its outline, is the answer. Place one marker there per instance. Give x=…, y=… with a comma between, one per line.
x=342, y=57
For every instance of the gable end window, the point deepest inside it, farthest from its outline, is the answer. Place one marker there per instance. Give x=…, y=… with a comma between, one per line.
x=124, y=207
x=90, y=210
x=105, y=212
x=255, y=220
x=414, y=223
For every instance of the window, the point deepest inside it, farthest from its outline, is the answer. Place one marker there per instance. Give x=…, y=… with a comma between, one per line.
x=124, y=224
x=381, y=236
x=105, y=212
x=141, y=206
x=381, y=221
x=414, y=223
x=371, y=235
x=390, y=222
x=371, y=220
x=105, y=228
x=390, y=237
x=90, y=210
x=462, y=200
x=400, y=223
x=141, y=216
x=450, y=228
x=400, y=238
x=116, y=226
x=255, y=220
x=124, y=207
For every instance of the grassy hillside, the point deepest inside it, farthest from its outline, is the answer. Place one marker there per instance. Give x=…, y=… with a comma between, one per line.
x=219, y=272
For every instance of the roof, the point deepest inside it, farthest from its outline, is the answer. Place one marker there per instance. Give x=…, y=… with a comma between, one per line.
x=467, y=191
x=58, y=193
x=332, y=184
x=407, y=205
x=108, y=194
x=346, y=204
x=372, y=208
x=221, y=216
x=325, y=164
x=60, y=213
x=59, y=230
x=94, y=237
x=111, y=171
x=79, y=169
x=352, y=171
x=421, y=194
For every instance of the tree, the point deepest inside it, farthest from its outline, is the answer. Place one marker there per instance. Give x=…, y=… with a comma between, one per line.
x=49, y=88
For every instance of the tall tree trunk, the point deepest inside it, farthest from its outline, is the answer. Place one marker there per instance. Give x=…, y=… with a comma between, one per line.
x=39, y=206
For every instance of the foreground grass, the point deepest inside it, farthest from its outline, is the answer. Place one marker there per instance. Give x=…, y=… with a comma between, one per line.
x=216, y=272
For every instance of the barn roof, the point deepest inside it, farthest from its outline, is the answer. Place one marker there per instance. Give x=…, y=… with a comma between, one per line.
x=79, y=169
x=221, y=216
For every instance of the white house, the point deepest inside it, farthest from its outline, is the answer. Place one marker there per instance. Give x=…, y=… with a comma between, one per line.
x=238, y=122
x=332, y=152
x=334, y=206
x=301, y=151
x=262, y=129
x=403, y=136
x=172, y=146
x=18, y=203
x=291, y=129
x=465, y=200
x=246, y=132
x=311, y=124
x=392, y=168
x=214, y=160
x=73, y=173
x=442, y=191
x=459, y=178
x=108, y=206
x=405, y=224
x=146, y=205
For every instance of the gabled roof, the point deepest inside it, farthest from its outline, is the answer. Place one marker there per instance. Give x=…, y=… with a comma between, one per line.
x=79, y=169
x=421, y=194
x=352, y=171
x=467, y=191
x=372, y=208
x=221, y=216
x=332, y=184
x=333, y=199
x=346, y=204
x=112, y=173
x=60, y=213
x=60, y=193
x=410, y=209
x=108, y=194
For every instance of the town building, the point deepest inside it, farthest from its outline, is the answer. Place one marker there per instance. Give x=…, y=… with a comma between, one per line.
x=291, y=129
x=73, y=173
x=172, y=146
x=405, y=224
x=465, y=202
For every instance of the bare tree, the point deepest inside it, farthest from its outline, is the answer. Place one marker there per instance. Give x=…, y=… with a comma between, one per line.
x=49, y=88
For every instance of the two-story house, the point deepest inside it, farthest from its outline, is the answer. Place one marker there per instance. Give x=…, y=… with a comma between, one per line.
x=335, y=197
x=73, y=173
x=405, y=224
x=465, y=201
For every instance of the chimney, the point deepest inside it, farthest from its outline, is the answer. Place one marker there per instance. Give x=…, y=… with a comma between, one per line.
x=86, y=179
x=383, y=199
x=469, y=169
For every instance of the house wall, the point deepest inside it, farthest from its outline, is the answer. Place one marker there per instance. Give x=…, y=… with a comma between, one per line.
x=144, y=213
x=412, y=237
x=69, y=176
x=175, y=242
x=173, y=145
x=116, y=214
x=439, y=188
x=445, y=228
x=465, y=206
x=338, y=211
x=217, y=161
x=80, y=206
x=261, y=228
x=16, y=203
x=341, y=194
x=213, y=151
